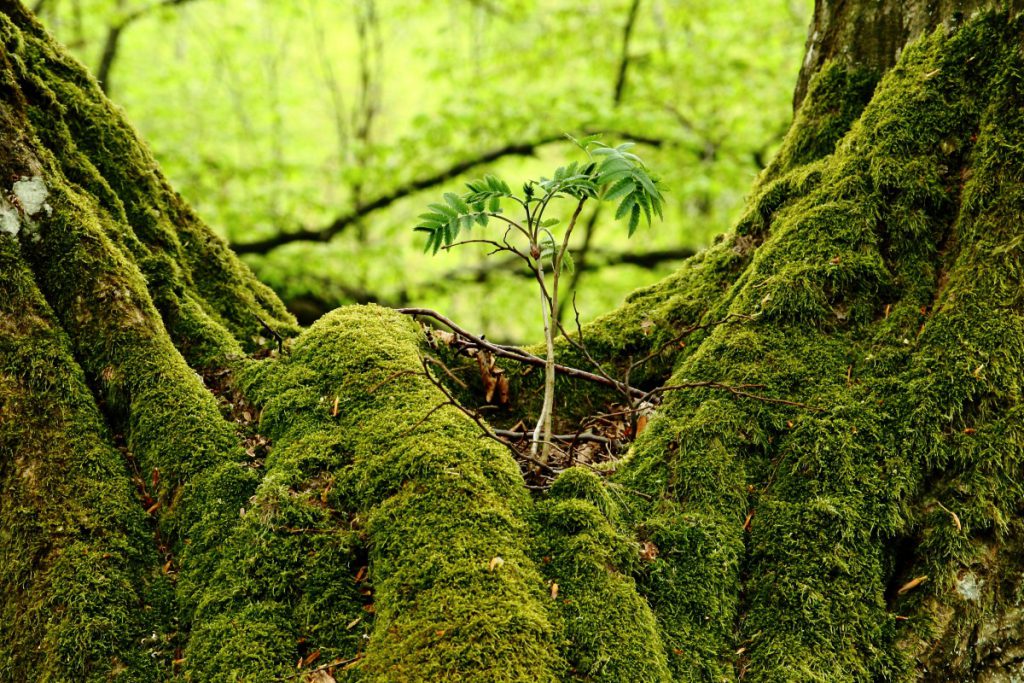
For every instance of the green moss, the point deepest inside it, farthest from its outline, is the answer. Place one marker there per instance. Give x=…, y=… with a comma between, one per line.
x=780, y=523
x=83, y=599
x=436, y=503
x=609, y=629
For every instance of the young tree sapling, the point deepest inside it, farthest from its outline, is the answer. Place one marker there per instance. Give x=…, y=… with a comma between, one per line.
x=609, y=174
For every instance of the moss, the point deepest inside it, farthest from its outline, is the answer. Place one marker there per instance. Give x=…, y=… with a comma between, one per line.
x=436, y=503
x=609, y=629
x=779, y=524
x=83, y=599
x=141, y=289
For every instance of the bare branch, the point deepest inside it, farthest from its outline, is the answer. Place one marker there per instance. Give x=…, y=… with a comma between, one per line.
x=518, y=354
x=341, y=223
x=113, y=41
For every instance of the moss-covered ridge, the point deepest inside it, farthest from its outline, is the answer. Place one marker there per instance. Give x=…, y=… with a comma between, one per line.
x=83, y=596
x=140, y=296
x=886, y=300
x=437, y=503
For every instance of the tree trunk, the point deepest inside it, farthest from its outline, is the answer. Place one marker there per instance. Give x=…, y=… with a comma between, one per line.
x=192, y=489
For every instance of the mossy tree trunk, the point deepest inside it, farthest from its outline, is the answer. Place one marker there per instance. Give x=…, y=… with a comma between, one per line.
x=179, y=500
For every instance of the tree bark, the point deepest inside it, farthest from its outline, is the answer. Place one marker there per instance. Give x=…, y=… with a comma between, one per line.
x=183, y=499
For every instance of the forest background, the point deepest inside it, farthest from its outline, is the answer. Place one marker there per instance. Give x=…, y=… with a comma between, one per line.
x=287, y=123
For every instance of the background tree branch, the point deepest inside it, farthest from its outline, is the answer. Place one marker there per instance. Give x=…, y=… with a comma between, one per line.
x=348, y=219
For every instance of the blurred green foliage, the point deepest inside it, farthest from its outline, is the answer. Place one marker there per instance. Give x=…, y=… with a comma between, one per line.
x=272, y=116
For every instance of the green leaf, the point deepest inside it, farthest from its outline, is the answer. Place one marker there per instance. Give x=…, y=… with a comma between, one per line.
x=625, y=206
x=619, y=189
x=634, y=219
x=494, y=206
x=455, y=201
x=567, y=261
x=548, y=222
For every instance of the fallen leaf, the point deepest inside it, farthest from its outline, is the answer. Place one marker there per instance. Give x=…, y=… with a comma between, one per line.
x=352, y=624
x=748, y=520
x=741, y=650
x=641, y=424
x=911, y=585
x=554, y=591
x=970, y=430
x=495, y=562
x=648, y=551
x=646, y=327
x=334, y=410
x=956, y=521
x=503, y=389
x=360, y=575
x=440, y=633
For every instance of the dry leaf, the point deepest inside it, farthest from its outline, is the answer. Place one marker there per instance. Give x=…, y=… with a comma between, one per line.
x=956, y=521
x=911, y=585
x=641, y=424
x=503, y=389
x=647, y=326
x=748, y=520
x=153, y=508
x=554, y=591
x=334, y=410
x=495, y=562
x=648, y=551
x=360, y=575
x=352, y=624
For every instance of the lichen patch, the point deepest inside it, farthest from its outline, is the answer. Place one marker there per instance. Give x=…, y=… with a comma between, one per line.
x=32, y=193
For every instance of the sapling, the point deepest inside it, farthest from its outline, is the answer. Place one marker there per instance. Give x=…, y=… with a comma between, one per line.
x=609, y=174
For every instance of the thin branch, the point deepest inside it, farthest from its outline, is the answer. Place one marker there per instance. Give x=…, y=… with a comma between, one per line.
x=112, y=44
x=624, y=59
x=471, y=414
x=518, y=354
x=341, y=223
x=322, y=667
x=584, y=436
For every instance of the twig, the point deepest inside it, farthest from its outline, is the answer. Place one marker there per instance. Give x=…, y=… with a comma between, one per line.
x=519, y=355
x=584, y=436
x=273, y=333
x=447, y=371
x=487, y=432
x=322, y=667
